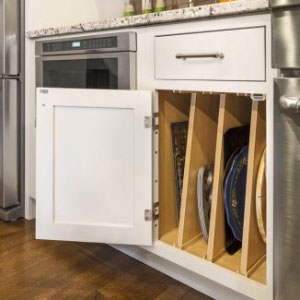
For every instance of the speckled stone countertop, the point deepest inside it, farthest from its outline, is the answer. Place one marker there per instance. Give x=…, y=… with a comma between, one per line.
x=184, y=14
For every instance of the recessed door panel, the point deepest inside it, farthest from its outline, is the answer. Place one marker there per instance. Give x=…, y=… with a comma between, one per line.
x=94, y=166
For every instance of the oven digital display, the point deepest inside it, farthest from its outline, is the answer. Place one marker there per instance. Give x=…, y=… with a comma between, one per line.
x=97, y=43
x=76, y=44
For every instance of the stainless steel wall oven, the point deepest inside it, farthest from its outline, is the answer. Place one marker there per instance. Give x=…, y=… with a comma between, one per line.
x=93, y=62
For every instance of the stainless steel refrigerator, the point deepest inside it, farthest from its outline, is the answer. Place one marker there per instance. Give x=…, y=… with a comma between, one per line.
x=11, y=109
x=286, y=58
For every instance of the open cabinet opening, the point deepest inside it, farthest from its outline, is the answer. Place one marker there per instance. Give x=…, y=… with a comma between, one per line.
x=233, y=135
x=221, y=140
x=174, y=110
x=200, y=157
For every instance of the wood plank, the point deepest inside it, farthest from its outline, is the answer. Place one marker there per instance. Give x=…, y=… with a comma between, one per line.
x=234, y=111
x=171, y=237
x=230, y=262
x=172, y=108
x=197, y=247
x=202, y=134
x=260, y=273
x=253, y=246
x=36, y=269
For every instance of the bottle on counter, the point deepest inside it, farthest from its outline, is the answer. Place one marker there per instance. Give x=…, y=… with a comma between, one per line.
x=160, y=6
x=181, y=4
x=147, y=7
x=175, y=4
x=128, y=9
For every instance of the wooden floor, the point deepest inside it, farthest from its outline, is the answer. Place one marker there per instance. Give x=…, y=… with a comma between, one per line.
x=32, y=269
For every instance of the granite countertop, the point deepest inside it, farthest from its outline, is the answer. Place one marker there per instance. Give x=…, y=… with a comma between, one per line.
x=184, y=14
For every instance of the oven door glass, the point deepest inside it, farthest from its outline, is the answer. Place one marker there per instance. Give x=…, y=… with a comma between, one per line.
x=81, y=73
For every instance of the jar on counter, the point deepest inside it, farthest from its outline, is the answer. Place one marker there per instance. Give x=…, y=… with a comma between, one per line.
x=147, y=7
x=160, y=6
x=182, y=3
x=128, y=9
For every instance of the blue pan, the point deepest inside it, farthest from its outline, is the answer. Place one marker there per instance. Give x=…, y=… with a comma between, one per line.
x=235, y=191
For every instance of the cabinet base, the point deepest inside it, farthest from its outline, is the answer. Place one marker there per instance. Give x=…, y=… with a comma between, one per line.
x=11, y=214
x=197, y=282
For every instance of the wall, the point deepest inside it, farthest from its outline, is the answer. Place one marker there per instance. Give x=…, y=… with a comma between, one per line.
x=53, y=13
x=171, y=4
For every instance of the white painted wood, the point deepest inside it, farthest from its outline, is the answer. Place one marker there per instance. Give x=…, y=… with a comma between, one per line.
x=243, y=50
x=94, y=166
x=146, y=58
x=191, y=278
x=172, y=261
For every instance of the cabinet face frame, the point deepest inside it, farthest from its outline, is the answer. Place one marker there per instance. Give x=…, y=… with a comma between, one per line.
x=248, y=109
x=146, y=81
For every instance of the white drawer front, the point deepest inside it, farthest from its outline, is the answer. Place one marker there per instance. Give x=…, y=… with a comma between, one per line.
x=243, y=51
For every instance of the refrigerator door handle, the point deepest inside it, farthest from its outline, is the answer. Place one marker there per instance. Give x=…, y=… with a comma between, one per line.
x=290, y=104
x=9, y=143
x=10, y=37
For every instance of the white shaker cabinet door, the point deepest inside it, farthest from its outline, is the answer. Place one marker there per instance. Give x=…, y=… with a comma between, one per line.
x=94, y=166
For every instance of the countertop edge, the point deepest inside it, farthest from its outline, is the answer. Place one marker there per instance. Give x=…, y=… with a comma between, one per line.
x=166, y=17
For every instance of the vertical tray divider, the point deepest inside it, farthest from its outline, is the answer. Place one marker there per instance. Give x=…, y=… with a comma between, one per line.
x=216, y=240
x=234, y=112
x=254, y=249
x=172, y=108
x=200, y=152
x=185, y=188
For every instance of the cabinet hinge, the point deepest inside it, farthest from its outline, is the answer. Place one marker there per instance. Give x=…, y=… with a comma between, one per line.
x=156, y=210
x=151, y=122
x=258, y=97
x=155, y=121
x=148, y=122
x=152, y=214
x=148, y=215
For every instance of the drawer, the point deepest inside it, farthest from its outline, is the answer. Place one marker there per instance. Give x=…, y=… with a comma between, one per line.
x=229, y=55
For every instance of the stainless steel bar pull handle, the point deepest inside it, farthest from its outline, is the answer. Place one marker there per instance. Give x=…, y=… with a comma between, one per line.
x=290, y=104
x=200, y=55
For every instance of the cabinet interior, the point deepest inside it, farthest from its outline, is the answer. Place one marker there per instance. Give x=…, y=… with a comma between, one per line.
x=209, y=117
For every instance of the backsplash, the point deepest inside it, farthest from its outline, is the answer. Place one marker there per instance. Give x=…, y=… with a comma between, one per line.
x=171, y=4
x=183, y=14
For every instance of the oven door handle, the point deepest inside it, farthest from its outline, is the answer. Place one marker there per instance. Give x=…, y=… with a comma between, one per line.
x=290, y=104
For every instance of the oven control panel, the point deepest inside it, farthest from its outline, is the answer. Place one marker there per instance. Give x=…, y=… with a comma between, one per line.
x=84, y=44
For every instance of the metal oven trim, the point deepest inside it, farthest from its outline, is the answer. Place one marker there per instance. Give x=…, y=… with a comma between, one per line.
x=126, y=43
x=126, y=66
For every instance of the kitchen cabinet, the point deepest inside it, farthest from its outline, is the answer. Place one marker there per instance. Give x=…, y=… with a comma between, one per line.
x=122, y=189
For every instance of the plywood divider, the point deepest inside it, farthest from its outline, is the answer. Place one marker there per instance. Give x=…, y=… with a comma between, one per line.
x=234, y=111
x=254, y=249
x=172, y=108
x=201, y=144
